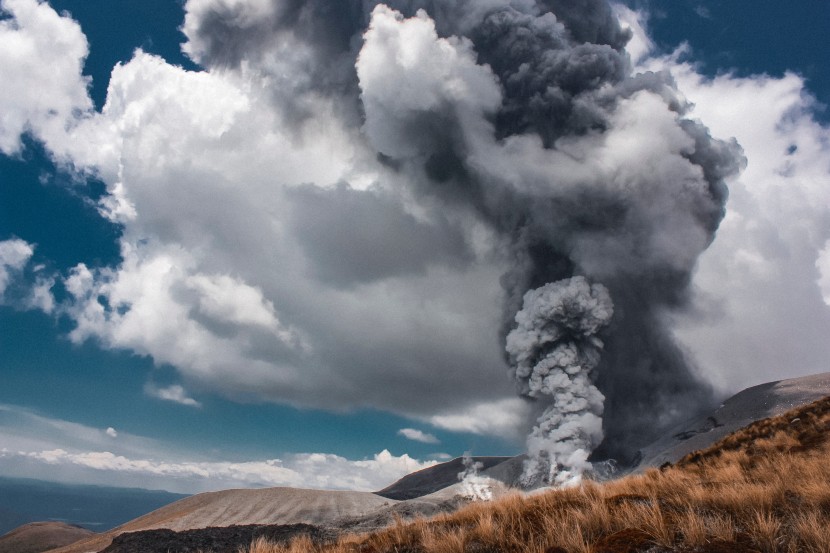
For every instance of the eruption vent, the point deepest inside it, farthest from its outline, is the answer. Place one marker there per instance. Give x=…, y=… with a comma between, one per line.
x=473, y=485
x=554, y=350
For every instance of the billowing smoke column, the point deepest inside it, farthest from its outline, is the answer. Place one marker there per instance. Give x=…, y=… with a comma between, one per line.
x=554, y=349
x=525, y=118
x=536, y=124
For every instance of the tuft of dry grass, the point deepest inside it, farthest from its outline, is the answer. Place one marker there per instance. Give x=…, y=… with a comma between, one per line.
x=765, y=488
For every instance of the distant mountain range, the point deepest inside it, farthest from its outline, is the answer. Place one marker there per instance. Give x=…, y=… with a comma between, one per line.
x=98, y=508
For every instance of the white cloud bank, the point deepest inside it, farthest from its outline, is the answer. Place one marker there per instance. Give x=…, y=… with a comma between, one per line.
x=236, y=270
x=241, y=270
x=41, y=62
x=33, y=446
x=301, y=470
x=761, y=287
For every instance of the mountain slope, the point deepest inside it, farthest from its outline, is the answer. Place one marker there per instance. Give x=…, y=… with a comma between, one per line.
x=755, y=403
x=246, y=507
x=434, y=478
x=37, y=537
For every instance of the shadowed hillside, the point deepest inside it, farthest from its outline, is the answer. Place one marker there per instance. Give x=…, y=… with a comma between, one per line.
x=764, y=489
x=432, y=479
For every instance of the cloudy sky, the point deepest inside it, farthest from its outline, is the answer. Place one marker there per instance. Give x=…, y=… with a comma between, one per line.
x=225, y=261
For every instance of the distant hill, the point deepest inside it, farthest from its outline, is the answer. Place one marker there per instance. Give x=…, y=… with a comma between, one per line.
x=97, y=508
x=240, y=508
x=37, y=537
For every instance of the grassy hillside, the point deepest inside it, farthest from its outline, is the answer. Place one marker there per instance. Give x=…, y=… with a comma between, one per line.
x=765, y=488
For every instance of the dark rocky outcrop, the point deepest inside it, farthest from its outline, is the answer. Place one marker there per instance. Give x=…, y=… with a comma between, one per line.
x=226, y=539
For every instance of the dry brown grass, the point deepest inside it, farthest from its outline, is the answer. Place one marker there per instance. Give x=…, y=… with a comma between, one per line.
x=765, y=488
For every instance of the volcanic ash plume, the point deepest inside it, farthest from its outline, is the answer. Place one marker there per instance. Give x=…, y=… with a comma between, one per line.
x=425, y=187
x=554, y=350
x=534, y=122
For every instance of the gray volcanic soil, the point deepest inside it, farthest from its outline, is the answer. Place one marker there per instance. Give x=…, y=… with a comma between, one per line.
x=36, y=537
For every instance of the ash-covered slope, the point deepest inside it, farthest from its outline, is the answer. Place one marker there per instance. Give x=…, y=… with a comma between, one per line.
x=37, y=537
x=245, y=507
x=745, y=407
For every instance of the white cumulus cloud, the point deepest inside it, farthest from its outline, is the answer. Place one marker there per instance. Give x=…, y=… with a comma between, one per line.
x=303, y=470
x=418, y=436
x=33, y=444
x=760, y=309
x=41, y=59
x=505, y=417
x=14, y=255
x=175, y=393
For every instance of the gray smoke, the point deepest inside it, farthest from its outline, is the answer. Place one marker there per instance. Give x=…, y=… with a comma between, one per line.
x=554, y=349
x=595, y=187
x=474, y=486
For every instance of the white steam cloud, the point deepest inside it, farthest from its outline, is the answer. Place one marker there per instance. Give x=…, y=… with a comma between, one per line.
x=474, y=486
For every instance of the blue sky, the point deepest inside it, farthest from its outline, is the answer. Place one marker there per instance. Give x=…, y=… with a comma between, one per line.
x=103, y=388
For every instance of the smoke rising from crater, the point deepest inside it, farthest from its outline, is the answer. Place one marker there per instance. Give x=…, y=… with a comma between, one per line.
x=554, y=349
